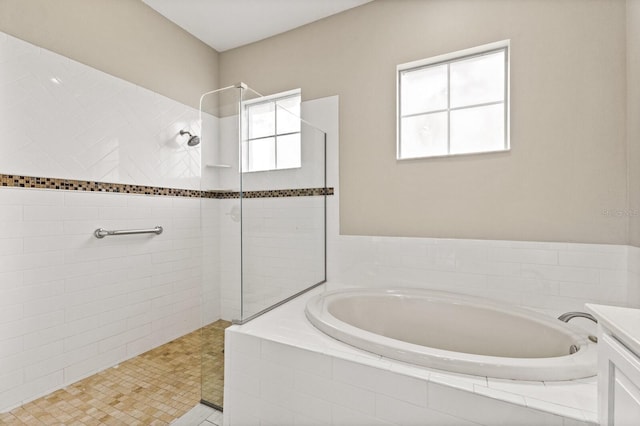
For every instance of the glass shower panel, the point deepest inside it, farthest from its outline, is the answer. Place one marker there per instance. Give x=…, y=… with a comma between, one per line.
x=283, y=216
x=263, y=231
x=221, y=227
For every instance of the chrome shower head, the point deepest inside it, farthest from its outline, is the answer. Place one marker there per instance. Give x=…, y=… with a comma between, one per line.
x=193, y=139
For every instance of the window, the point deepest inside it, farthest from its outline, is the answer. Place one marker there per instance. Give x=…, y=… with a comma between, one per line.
x=272, y=133
x=454, y=104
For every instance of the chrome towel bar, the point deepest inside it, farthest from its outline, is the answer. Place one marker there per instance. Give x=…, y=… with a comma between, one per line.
x=101, y=232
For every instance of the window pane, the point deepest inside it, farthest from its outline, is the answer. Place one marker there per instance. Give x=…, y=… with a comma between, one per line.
x=288, y=151
x=478, y=80
x=261, y=120
x=288, y=111
x=478, y=129
x=262, y=154
x=424, y=135
x=423, y=90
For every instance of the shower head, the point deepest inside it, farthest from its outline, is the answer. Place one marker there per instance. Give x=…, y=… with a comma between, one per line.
x=193, y=139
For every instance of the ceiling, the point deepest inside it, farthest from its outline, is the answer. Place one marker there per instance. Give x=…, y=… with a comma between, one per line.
x=226, y=24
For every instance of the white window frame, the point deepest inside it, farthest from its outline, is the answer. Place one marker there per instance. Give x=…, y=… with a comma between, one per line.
x=263, y=100
x=449, y=58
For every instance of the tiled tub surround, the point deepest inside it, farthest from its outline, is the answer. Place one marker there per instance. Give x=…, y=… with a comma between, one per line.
x=281, y=370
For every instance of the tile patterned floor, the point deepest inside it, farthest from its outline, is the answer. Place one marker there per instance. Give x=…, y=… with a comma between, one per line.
x=200, y=415
x=154, y=388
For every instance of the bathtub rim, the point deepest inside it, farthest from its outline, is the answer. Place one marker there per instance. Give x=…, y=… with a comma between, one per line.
x=580, y=365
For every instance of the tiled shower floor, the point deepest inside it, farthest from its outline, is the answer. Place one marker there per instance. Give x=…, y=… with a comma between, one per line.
x=154, y=388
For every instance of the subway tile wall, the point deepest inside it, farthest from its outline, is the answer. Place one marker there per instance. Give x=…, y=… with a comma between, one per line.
x=70, y=304
x=551, y=277
x=60, y=118
x=73, y=304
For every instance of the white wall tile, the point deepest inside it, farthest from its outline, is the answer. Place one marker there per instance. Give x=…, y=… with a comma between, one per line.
x=298, y=359
x=344, y=416
x=59, y=362
x=274, y=415
x=85, y=124
x=28, y=325
x=402, y=413
x=11, y=380
x=92, y=303
x=353, y=397
x=511, y=254
x=11, y=313
x=484, y=410
x=313, y=410
x=405, y=388
x=310, y=384
x=38, y=387
x=89, y=366
x=587, y=259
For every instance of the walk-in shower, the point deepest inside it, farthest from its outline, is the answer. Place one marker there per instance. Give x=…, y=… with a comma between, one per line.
x=264, y=212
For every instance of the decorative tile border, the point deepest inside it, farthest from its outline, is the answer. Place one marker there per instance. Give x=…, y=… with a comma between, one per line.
x=83, y=185
x=274, y=193
x=15, y=181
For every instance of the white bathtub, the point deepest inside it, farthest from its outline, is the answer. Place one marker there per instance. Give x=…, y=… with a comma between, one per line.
x=456, y=333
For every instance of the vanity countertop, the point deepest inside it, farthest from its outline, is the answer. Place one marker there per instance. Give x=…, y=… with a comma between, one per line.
x=623, y=323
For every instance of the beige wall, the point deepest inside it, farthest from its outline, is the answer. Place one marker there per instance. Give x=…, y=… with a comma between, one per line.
x=568, y=159
x=124, y=38
x=633, y=116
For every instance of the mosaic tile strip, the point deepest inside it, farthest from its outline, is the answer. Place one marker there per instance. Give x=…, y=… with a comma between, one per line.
x=275, y=193
x=83, y=185
x=16, y=181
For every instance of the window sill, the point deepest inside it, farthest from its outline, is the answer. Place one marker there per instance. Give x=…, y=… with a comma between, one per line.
x=463, y=154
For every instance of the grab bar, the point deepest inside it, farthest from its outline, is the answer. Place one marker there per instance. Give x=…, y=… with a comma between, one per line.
x=101, y=232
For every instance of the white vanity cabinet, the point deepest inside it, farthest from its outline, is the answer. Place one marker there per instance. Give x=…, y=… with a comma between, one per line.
x=618, y=383
x=618, y=365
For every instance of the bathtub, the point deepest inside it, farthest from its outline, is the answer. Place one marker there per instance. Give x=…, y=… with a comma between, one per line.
x=453, y=332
